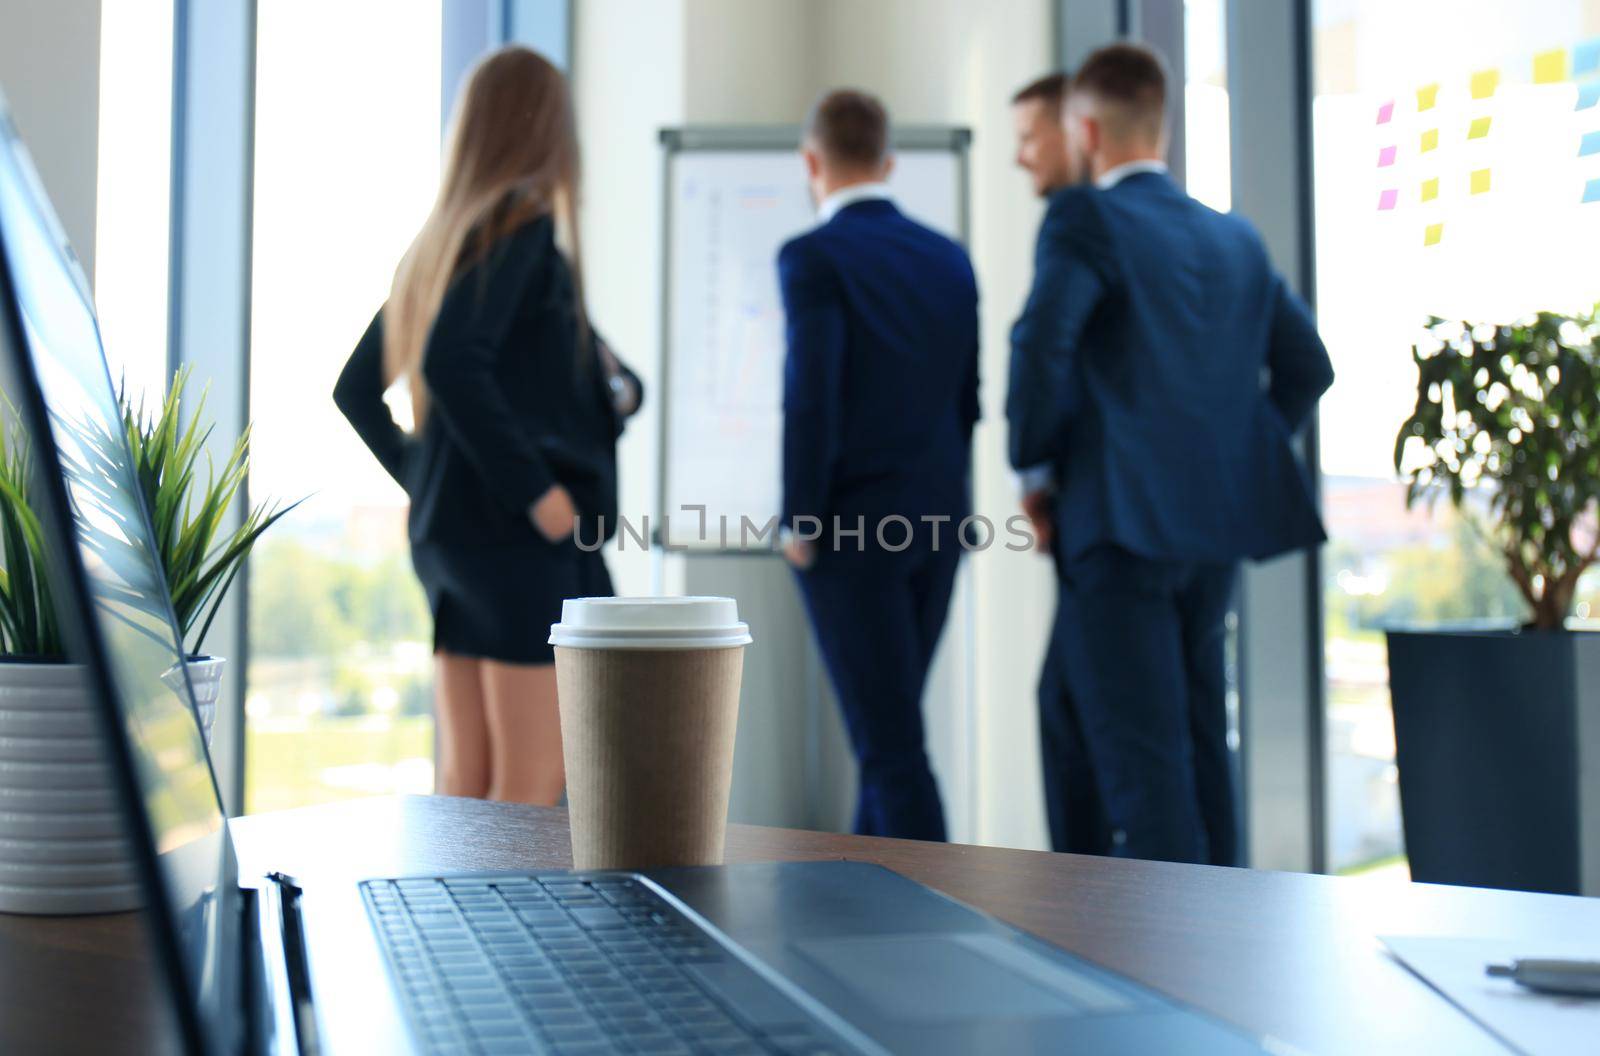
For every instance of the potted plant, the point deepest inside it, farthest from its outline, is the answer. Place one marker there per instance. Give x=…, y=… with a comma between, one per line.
x=187, y=514
x=1496, y=726
x=62, y=846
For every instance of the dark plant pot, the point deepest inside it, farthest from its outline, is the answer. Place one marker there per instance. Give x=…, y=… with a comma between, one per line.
x=1494, y=734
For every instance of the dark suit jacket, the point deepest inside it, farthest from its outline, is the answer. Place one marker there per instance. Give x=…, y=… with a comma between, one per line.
x=881, y=380
x=516, y=407
x=1161, y=367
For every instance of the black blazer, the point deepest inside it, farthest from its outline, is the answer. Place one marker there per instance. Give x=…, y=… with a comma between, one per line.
x=515, y=407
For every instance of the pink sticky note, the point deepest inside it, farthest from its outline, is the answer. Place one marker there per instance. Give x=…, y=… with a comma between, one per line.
x=1385, y=112
x=1387, y=198
x=1386, y=157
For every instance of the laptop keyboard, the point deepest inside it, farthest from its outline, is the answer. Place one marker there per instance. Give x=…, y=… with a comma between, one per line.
x=571, y=964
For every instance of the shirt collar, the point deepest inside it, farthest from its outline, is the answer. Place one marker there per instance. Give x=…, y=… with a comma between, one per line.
x=856, y=192
x=1115, y=175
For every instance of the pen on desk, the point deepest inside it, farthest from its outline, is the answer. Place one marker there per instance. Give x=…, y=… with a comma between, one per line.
x=1580, y=978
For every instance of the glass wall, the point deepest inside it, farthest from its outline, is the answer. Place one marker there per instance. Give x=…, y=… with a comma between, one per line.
x=347, y=153
x=1452, y=172
x=133, y=192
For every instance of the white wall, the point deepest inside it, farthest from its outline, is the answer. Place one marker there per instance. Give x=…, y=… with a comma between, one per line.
x=50, y=74
x=631, y=85
x=644, y=66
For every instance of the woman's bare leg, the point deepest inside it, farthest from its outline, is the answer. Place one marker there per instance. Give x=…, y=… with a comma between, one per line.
x=524, y=733
x=463, y=729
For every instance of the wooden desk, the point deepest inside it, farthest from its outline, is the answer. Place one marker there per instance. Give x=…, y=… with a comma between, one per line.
x=1281, y=954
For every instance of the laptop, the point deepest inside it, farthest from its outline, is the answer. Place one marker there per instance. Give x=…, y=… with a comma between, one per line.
x=814, y=958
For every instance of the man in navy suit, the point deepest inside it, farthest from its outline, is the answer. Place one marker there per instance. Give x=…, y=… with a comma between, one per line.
x=880, y=395
x=1072, y=804
x=1161, y=367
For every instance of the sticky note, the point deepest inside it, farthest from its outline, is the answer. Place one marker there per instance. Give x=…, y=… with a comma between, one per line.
x=1386, y=112
x=1479, y=128
x=1386, y=157
x=1430, y=189
x=1480, y=181
x=1588, y=94
x=1432, y=234
x=1387, y=197
x=1430, y=139
x=1591, y=191
x=1586, y=57
x=1427, y=95
x=1550, y=67
x=1484, y=82
x=1590, y=144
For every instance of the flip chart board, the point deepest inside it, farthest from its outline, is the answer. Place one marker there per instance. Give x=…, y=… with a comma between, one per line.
x=733, y=197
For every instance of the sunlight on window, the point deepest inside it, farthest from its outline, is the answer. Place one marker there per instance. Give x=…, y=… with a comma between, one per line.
x=1208, y=167
x=1449, y=181
x=347, y=162
x=133, y=191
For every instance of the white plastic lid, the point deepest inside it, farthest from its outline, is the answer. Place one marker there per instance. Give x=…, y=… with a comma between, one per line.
x=649, y=623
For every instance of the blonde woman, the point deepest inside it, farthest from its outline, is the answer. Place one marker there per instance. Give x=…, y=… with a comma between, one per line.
x=516, y=408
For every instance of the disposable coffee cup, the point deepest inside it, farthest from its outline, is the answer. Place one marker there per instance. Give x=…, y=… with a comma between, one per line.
x=649, y=696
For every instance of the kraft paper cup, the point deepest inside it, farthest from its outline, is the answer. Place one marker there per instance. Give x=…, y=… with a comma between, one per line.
x=649, y=698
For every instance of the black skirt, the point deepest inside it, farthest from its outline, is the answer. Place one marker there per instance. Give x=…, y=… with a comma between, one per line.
x=498, y=602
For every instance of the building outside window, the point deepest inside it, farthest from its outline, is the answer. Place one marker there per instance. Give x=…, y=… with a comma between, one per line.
x=347, y=162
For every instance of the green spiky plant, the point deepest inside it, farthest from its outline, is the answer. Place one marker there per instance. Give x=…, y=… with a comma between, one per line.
x=200, y=562
x=28, y=628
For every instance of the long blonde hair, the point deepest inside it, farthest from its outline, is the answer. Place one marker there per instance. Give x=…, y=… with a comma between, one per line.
x=511, y=155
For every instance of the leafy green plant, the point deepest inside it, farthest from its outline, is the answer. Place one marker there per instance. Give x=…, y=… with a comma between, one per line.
x=1512, y=412
x=199, y=561
x=28, y=625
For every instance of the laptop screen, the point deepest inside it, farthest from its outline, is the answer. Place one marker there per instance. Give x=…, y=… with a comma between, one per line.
x=53, y=368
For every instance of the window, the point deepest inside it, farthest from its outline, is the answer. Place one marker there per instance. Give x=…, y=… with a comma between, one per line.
x=133, y=193
x=347, y=161
x=1449, y=182
x=1208, y=170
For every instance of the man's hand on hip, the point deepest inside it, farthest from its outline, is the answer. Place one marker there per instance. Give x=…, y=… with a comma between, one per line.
x=1038, y=505
x=801, y=553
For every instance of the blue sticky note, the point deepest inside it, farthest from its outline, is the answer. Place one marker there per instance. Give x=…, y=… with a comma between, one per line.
x=1588, y=94
x=1591, y=191
x=1586, y=57
x=1589, y=145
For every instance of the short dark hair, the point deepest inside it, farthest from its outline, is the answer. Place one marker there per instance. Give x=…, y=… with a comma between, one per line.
x=850, y=129
x=1133, y=80
x=1050, y=90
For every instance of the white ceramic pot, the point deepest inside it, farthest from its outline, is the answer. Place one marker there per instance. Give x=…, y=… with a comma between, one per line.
x=63, y=847
x=205, y=676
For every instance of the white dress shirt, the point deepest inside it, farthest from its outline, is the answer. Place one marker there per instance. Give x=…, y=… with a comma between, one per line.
x=855, y=192
x=1117, y=173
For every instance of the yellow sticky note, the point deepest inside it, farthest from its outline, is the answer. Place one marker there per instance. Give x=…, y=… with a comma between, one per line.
x=1479, y=128
x=1480, y=181
x=1550, y=67
x=1484, y=82
x=1427, y=95
x=1430, y=140
x=1432, y=234
x=1430, y=189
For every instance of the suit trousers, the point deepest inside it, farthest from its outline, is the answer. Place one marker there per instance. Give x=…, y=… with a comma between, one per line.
x=1136, y=732
x=877, y=617
x=1072, y=802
